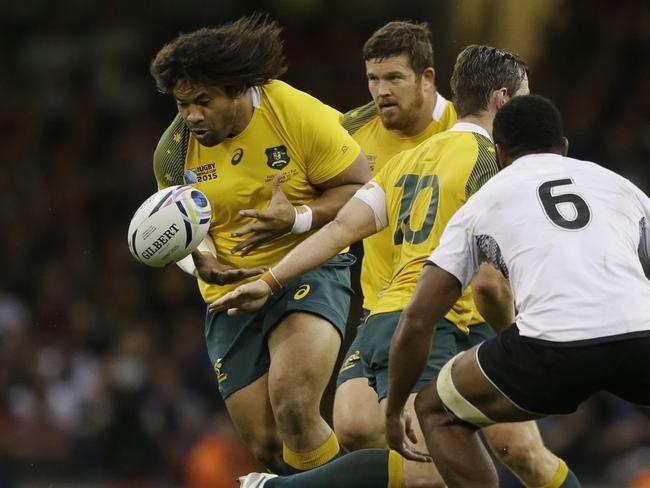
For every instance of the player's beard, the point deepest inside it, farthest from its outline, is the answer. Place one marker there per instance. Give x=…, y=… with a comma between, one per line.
x=404, y=118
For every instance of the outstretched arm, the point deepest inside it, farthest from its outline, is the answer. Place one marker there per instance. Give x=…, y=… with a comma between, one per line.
x=355, y=221
x=493, y=297
x=436, y=292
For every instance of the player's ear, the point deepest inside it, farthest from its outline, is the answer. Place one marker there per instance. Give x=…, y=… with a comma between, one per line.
x=565, y=146
x=429, y=75
x=499, y=97
x=502, y=159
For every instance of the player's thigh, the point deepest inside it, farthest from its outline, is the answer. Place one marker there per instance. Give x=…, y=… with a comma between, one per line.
x=303, y=349
x=358, y=421
x=465, y=390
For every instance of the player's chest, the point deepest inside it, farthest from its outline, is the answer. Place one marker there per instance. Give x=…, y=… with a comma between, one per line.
x=238, y=173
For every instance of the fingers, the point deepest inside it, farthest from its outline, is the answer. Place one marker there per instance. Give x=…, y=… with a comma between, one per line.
x=408, y=428
x=413, y=454
x=233, y=275
x=253, y=242
x=276, y=185
x=225, y=302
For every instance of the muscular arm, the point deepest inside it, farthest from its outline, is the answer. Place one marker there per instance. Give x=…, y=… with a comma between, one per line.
x=493, y=297
x=338, y=190
x=355, y=221
x=279, y=217
x=436, y=292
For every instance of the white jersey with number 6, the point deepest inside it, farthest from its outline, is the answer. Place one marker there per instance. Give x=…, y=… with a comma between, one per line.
x=568, y=234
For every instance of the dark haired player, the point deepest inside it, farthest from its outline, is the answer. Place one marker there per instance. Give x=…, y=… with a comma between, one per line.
x=405, y=110
x=415, y=195
x=275, y=163
x=572, y=238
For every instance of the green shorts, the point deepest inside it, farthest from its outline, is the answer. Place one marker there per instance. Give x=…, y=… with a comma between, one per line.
x=237, y=346
x=448, y=341
x=352, y=366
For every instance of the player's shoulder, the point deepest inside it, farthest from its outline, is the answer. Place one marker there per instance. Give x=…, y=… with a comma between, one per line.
x=282, y=95
x=169, y=155
x=355, y=119
x=292, y=105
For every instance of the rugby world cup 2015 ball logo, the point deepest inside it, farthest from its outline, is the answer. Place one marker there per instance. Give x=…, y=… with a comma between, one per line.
x=169, y=225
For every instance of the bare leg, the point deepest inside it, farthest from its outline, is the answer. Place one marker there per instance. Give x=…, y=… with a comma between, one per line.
x=251, y=413
x=451, y=441
x=358, y=420
x=418, y=475
x=303, y=350
x=520, y=447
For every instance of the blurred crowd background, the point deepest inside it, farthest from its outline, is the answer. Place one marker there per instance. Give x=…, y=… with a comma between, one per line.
x=104, y=377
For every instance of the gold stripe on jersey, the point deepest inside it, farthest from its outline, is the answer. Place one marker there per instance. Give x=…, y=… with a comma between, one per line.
x=169, y=156
x=424, y=188
x=358, y=117
x=380, y=145
x=486, y=166
x=291, y=134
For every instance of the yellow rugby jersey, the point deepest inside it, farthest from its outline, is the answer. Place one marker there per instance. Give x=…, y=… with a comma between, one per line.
x=424, y=187
x=380, y=145
x=292, y=134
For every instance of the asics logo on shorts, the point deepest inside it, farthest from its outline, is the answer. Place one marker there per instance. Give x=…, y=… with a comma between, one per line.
x=351, y=361
x=218, y=366
x=302, y=292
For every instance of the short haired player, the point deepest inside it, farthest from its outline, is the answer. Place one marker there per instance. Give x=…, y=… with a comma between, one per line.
x=572, y=238
x=414, y=196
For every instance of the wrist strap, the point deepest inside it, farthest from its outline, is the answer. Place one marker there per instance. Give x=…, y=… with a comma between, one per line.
x=302, y=223
x=270, y=279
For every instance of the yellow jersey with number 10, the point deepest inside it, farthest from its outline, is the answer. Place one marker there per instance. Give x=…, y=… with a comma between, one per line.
x=424, y=188
x=380, y=145
x=291, y=134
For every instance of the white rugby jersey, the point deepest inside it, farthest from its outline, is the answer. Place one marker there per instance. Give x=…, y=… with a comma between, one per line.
x=567, y=235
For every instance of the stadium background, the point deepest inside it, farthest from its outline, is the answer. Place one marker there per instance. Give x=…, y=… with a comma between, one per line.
x=104, y=379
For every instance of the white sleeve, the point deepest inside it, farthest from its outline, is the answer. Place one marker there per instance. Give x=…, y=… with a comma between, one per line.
x=644, y=226
x=373, y=195
x=457, y=252
x=187, y=263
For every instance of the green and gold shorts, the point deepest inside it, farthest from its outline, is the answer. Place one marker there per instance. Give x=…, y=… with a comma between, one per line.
x=237, y=346
x=448, y=340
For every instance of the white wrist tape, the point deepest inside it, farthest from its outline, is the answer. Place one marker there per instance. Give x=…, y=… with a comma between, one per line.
x=303, y=219
x=187, y=263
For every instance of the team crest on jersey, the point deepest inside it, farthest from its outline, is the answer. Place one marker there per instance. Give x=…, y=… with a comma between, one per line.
x=277, y=157
x=189, y=176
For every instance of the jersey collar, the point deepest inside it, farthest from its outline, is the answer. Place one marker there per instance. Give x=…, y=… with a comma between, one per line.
x=439, y=108
x=257, y=96
x=539, y=157
x=470, y=127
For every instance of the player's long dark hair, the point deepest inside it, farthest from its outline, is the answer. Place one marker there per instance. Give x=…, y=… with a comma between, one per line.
x=481, y=70
x=234, y=56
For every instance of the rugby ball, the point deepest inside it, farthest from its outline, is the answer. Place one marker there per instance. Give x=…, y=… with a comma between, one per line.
x=169, y=225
